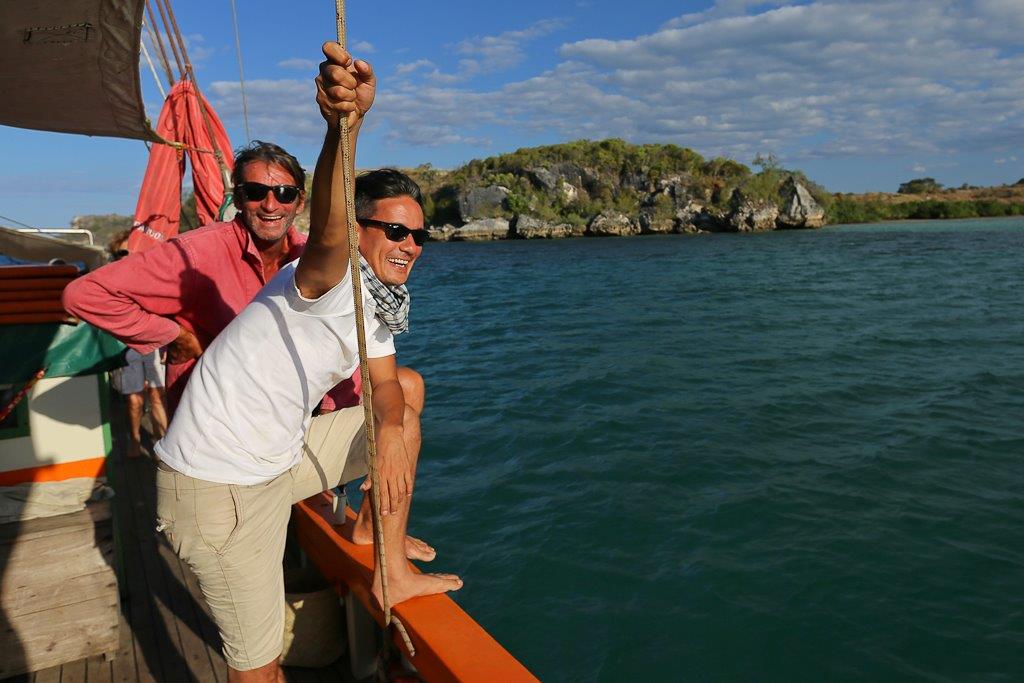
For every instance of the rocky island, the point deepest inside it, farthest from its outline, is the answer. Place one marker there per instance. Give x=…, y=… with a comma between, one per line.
x=612, y=188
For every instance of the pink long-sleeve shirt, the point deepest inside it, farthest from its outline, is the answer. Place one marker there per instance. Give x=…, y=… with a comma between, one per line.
x=200, y=280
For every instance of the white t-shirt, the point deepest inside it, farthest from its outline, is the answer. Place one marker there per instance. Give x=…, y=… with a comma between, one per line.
x=249, y=400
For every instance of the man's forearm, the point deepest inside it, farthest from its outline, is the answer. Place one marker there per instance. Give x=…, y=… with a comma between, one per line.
x=327, y=212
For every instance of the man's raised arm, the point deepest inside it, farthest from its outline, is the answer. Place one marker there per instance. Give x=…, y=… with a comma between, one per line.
x=344, y=88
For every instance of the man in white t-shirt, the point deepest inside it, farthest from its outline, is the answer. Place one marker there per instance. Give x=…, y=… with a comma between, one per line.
x=243, y=448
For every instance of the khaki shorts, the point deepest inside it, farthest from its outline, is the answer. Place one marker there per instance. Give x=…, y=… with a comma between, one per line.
x=233, y=536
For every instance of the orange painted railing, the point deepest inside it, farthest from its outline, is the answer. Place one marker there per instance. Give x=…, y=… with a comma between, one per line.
x=93, y=467
x=450, y=646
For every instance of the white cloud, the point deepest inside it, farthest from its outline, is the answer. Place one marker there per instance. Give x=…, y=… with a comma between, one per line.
x=488, y=54
x=928, y=79
x=297, y=63
x=409, y=67
x=197, y=49
x=362, y=47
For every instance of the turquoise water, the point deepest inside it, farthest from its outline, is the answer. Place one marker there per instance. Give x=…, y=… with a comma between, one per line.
x=789, y=456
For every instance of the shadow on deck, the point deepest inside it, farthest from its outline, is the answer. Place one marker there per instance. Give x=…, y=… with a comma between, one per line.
x=166, y=632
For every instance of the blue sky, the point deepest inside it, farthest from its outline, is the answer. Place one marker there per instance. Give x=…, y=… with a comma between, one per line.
x=860, y=94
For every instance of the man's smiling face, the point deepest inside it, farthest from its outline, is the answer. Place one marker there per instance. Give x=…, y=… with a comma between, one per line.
x=391, y=261
x=268, y=219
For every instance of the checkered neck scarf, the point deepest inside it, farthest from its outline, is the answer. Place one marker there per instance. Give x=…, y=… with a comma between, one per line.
x=392, y=302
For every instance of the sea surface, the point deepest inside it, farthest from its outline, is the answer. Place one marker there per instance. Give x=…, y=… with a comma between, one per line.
x=793, y=456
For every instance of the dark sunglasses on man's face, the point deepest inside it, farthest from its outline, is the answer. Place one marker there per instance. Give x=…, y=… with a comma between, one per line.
x=396, y=232
x=255, y=192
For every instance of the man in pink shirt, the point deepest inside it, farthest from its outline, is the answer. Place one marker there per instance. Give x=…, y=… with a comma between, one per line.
x=183, y=293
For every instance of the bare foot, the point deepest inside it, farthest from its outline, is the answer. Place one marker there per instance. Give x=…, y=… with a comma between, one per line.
x=415, y=549
x=134, y=449
x=414, y=585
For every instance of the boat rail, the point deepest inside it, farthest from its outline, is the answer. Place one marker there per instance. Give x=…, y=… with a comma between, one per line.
x=450, y=645
x=60, y=231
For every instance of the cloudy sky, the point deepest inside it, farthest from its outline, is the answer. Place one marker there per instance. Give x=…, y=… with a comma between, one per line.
x=860, y=94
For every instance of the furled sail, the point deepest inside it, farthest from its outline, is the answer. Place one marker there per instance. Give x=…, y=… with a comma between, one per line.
x=72, y=66
x=187, y=117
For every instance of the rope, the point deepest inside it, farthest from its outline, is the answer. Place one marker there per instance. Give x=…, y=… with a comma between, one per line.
x=190, y=72
x=21, y=394
x=156, y=39
x=24, y=225
x=241, y=74
x=364, y=370
x=149, y=60
x=170, y=38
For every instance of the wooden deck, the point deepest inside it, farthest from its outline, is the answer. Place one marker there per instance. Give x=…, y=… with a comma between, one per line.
x=166, y=632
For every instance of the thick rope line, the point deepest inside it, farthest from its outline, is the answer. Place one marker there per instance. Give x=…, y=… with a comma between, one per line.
x=158, y=41
x=348, y=167
x=170, y=39
x=190, y=72
x=9, y=408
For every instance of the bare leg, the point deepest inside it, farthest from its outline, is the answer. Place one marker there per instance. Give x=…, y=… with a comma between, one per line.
x=268, y=673
x=157, y=412
x=413, y=391
x=133, y=407
x=403, y=582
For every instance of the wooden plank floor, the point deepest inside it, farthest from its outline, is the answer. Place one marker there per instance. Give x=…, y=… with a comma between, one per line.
x=166, y=634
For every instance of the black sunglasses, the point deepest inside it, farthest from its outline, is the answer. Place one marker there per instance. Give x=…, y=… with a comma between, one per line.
x=255, y=192
x=120, y=253
x=396, y=232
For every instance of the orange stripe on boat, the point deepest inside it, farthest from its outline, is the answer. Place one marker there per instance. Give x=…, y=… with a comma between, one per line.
x=60, y=471
x=450, y=646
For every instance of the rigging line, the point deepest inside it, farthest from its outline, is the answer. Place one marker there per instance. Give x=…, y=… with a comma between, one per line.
x=24, y=225
x=225, y=172
x=157, y=39
x=156, y=77
x=348, y=167
x=170, y=38
x=241, y=74
x=178, y=37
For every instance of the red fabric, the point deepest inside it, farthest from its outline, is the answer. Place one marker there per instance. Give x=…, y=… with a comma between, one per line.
x=200, y=281
x=158, y=212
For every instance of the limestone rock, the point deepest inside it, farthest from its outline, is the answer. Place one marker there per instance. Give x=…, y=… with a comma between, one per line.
x=636, y=179
x=482, y=202
x=710, y=219
x=688, y=219
x=799, y=209
x=482, y=230
x=570, y=173
x=542, y=178
x=443, y=233
x=530, y=227
x=652, y=224
x=752, y=215
x=612, y=223
x=568, y=192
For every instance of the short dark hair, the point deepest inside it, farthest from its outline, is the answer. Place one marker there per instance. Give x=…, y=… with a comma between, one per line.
x=384, y=183
x=119, y=238
x=267, y=152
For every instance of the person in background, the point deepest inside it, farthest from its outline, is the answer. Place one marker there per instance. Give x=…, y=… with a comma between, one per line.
x=140, y=379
